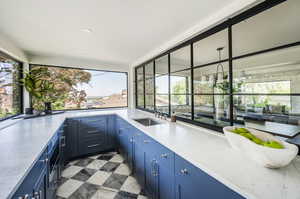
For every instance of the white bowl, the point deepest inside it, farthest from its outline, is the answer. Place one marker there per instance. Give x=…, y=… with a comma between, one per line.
x=265, y=156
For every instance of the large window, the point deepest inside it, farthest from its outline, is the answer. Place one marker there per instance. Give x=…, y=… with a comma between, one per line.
x=10, y=89
x=245, y=70
x=85, y=89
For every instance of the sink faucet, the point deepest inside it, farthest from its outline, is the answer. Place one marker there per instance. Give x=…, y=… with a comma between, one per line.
x=160, y=115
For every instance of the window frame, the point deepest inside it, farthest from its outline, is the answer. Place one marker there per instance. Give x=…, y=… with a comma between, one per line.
x=21, y=69
x=81, y=68
x=257, y=9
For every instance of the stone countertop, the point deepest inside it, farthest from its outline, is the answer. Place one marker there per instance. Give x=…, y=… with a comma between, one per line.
x=23, y=142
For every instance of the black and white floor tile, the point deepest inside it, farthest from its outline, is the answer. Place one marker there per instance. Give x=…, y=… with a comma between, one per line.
x=103, y=176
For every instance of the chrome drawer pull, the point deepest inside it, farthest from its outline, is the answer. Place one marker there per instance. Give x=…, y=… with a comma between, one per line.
x=95, y=131
x=146, y=141
x=63, y=141
x=94, y=145
x=184, y=171
x=45, y=160
x=94, y=120
x=165, y=155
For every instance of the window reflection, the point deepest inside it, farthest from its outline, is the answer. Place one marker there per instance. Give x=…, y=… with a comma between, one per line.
x=261, y=108
x=274, y=27
x=274, y=72
x=212, y=109
x=181, y=59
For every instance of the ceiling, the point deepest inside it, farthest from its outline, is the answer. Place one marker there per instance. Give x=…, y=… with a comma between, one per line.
x=122, y=31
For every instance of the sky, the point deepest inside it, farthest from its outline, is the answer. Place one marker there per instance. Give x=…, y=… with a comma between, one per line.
x=105, y=83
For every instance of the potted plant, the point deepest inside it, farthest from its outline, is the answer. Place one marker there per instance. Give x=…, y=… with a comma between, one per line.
x=37, y=83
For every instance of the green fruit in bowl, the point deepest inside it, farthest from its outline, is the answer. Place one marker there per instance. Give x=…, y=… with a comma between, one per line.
x=240, y=130
x=258, y=141
x=273, y=144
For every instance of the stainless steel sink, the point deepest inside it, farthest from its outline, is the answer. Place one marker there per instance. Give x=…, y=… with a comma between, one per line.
x=146, y=121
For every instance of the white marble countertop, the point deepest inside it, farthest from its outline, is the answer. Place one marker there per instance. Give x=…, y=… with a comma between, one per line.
x=22, y=143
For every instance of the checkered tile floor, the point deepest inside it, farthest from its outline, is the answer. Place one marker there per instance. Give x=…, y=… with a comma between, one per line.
x=103, y=176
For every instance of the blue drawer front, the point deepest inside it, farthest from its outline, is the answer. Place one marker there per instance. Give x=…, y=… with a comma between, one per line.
x=192, y=181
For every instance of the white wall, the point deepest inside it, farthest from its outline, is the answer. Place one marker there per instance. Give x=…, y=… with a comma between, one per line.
x=76, y=62
x=8, y=47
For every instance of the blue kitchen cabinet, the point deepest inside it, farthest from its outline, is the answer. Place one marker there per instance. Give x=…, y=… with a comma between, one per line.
x=111, y=132
x=191, y=182
x=92, y=135
x=159, y=170
x=71, y=139
x=89, y=135
x=165, y=170
x=40, y=187
x=29, y=187
x=126, y=145
x=122, y=138
x=139, y=158
x=151, y=170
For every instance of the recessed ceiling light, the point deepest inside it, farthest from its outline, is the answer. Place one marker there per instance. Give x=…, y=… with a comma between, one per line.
x=87, y=30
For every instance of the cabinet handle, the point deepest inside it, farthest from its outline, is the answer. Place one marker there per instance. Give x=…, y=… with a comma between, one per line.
x=95, y=131
x=94, y=145
x=179, y=191
x=93, y=120
x=63, y=140
x=26, y=196
x=36, y=195
x=184, y=171
x=146, y=141
x=45, y=160
x=131, y=140
x=154, y=168
x=165, y=155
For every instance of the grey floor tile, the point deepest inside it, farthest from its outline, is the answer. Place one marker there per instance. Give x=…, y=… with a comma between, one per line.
x=99, y=177
x=84, y=174
x=125, y=195
x=103, y=176
x=62, y=181
x=115, y=181
x=83, y=162
x=68, y=188
x=103, y=193
x=106, y=157
x=110, y=166
x=85, y=191
x=96, y=164
x=131, y=185
x=71, y=171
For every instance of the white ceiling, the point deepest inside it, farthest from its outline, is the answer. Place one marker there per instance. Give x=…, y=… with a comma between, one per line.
x=122, y=30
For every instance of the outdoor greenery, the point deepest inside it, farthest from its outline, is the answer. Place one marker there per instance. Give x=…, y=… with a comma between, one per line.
x=56, y=85
x=9, y=88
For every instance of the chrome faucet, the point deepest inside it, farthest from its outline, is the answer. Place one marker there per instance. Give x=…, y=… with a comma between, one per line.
x=160, y=115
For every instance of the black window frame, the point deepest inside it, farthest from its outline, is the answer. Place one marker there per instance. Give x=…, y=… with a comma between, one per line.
x=21, y=68
x=222, y=26
x=81, y=68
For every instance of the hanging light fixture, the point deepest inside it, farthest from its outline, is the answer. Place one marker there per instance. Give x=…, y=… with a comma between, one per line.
x=220, y=65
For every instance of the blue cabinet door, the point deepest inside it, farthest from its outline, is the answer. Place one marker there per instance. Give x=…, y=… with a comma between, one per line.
x=139, y=158
x=151, y=168
x=166, y=178
x=40, y=189
x=92, y=135
x=191, y=182
x=122, y=141
x=111, y=132
x=27, y=187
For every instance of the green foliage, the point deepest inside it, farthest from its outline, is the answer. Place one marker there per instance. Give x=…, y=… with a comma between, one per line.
x=55, y=85
x=179, y=87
